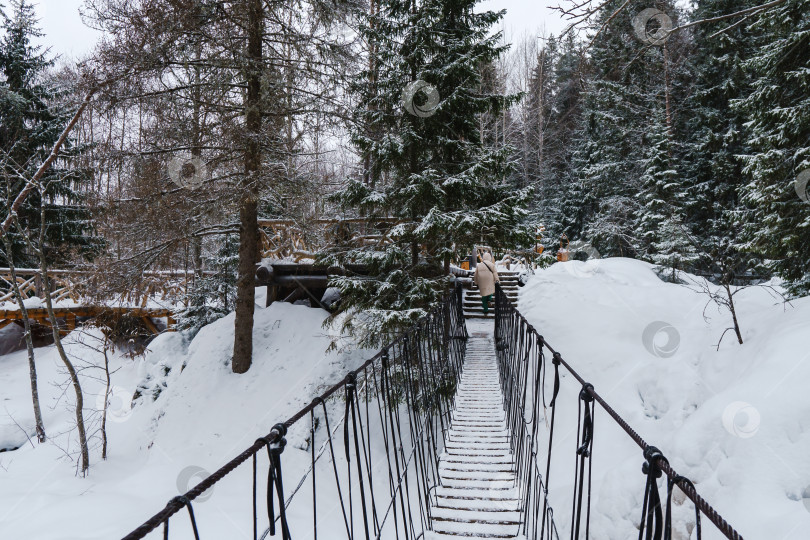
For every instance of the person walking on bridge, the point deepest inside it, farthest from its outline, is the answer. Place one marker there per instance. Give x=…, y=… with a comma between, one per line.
x=486, y=276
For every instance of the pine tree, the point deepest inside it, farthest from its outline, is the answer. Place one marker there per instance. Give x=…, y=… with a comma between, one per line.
x=32, y=117
x=779, y=112
x=436, y=176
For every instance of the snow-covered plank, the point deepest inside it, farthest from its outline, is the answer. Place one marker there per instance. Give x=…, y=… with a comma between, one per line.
x=477, y=496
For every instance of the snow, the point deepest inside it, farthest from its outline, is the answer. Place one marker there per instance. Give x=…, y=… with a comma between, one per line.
x=735, y=421
x=204, y=416
x=36, y=302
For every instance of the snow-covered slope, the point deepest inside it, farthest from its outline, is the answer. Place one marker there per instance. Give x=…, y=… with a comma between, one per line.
x=736, y=421
x=203, y=417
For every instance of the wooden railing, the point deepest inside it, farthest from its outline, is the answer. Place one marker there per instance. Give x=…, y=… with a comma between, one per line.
x=280, y=239
x=67, y=317
x=84, y=286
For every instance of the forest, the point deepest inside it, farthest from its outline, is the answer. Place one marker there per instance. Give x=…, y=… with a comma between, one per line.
x=652, y=130
x=673, y=135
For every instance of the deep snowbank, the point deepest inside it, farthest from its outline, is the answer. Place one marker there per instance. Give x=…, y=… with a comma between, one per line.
x=736, y=421
x=203, y=416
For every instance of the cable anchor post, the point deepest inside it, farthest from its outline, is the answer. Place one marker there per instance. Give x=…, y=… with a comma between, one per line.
x=384, y=359
x=652, y=515
x=275, y=447
x=587, y=424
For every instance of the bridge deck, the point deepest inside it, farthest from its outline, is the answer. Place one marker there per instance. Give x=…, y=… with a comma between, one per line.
x=477, y=496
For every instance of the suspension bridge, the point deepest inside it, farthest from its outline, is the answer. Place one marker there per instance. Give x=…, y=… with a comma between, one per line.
x=447, y=432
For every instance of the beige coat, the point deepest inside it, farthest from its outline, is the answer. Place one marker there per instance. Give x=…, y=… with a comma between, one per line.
x=486, y=275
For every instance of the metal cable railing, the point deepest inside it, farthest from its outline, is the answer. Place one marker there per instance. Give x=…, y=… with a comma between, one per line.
x=523, y=367
x=385, y=459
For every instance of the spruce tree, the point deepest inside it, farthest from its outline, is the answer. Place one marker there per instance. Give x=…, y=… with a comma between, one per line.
x=610, y=152
x=663, y=237
x=32, y=116
x=561, y=205
x=532, y=136
x=628, y=80
x=431, y=169
x=779, y=111
x=212, y=296
x=713, y=170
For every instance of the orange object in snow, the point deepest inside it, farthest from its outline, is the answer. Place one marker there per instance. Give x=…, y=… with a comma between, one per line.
x=562, y=253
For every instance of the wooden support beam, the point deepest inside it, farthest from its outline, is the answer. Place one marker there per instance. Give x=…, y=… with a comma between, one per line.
x=150, y=325
x=272, y=295
x=297, y=294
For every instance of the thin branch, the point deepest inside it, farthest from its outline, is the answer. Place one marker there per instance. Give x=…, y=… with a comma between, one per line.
x=731, y=15
x=18, y=201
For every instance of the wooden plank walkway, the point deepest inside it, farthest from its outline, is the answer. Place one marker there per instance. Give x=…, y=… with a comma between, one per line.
x=477, y=496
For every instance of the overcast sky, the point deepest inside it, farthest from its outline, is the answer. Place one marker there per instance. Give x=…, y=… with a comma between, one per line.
x=68, y=36
x=64, y=31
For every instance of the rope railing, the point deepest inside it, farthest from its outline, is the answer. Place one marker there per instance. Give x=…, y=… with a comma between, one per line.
x=522, y=364
x=384, y=466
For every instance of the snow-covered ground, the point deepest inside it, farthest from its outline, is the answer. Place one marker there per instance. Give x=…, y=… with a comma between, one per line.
x=736, y=421
x=204, y=416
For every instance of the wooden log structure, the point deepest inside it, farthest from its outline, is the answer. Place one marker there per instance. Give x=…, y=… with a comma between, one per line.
x=79, y=285
x=69, y=316
x=288, y=282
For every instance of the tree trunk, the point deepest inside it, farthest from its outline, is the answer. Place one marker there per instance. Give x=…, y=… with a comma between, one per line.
x=248, y=205
x=74, y=377
x=541, y=121
x=196, y=152
x=733, y=313
x=667, y=99
x=29, y=342
x=106, y=401
x=369, y=178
